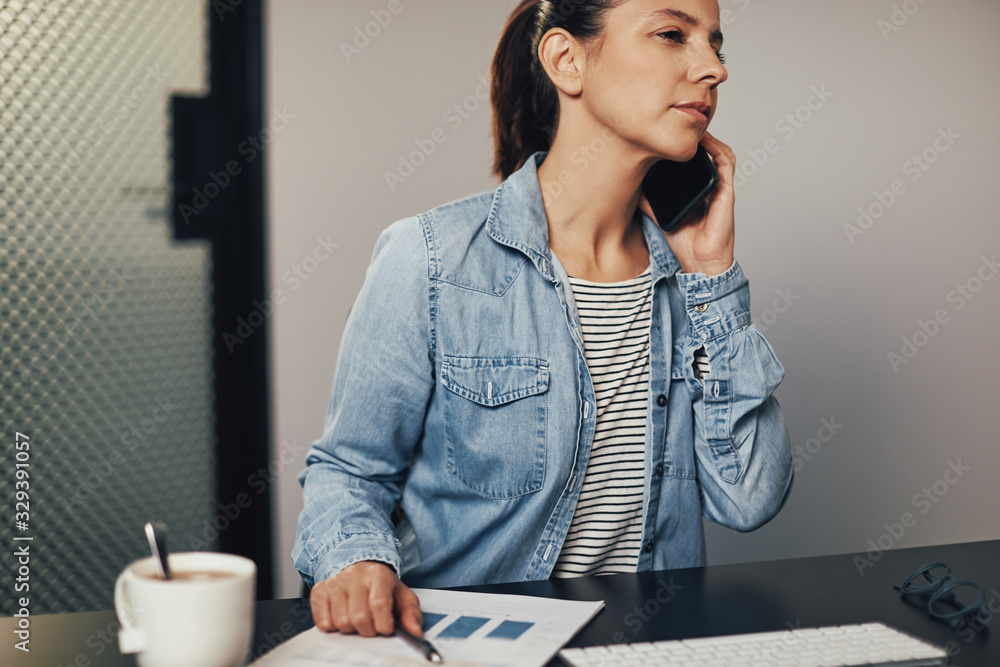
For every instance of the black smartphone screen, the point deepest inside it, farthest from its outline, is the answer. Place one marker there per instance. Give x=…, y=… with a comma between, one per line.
x=674, y=189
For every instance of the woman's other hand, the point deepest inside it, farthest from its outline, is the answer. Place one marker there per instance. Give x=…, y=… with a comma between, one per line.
x=704, y=242
x=362, y=598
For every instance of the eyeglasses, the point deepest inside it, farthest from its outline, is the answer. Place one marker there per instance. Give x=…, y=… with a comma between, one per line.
x=944, y=604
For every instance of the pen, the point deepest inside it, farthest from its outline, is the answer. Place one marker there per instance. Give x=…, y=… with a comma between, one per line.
x=418, y=643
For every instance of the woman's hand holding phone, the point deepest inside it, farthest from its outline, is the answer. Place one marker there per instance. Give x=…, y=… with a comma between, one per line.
x=704, y=242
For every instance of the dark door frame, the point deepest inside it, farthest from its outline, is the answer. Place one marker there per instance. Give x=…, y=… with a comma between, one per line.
x=219, y=151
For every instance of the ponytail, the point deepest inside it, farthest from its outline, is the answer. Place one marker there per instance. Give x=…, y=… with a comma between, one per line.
x=524, y=99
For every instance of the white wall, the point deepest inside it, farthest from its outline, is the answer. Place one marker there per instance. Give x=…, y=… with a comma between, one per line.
x=833, y=304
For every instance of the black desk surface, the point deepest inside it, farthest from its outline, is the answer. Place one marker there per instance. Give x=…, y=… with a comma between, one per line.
x=692, y=602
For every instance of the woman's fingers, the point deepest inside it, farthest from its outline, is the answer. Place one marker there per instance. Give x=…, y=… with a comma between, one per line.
x=360, y=598
x=381, y=600
x=724, y=159
x=359, y=610
x=328, y=601
x=716, y=148
x=408, y=608
x=321, y=606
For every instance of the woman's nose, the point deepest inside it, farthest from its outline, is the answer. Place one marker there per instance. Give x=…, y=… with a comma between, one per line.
x=710, y=68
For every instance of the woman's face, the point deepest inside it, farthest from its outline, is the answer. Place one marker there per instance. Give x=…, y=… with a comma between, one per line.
x=658, y=55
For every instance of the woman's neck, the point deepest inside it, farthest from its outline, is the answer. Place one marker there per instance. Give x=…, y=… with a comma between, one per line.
x=590, y=189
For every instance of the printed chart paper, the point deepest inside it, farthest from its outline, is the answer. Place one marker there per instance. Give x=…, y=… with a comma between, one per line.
x=468, y=629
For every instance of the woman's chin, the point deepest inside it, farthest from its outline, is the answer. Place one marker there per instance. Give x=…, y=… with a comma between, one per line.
x=682, y=148
x=681, y=154
x=690, y=154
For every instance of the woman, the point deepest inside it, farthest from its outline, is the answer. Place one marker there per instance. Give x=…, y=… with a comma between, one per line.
x=545, y=381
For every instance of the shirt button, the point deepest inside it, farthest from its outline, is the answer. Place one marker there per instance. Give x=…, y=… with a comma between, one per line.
x=659, y=469
x=648, y=548
x=701, y=308
x=661, y=400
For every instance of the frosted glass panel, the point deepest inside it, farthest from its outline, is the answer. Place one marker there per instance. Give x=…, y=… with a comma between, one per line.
x=105, y=321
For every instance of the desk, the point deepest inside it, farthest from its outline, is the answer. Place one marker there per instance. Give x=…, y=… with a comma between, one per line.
x=692, y=602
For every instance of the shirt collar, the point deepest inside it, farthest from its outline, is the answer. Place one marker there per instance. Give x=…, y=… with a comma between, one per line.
x=517, y=219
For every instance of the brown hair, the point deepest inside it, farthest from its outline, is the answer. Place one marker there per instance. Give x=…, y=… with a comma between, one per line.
x=524, y=99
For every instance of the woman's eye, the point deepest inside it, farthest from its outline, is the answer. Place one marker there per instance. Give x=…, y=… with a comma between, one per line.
x=677, y=37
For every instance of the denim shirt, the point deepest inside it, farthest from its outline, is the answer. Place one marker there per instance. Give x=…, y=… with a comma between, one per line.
x=462, y=391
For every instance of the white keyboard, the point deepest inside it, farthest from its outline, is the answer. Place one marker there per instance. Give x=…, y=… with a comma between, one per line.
x=834, y=646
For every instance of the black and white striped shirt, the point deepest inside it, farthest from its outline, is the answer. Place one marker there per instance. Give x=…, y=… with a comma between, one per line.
x=606, y=530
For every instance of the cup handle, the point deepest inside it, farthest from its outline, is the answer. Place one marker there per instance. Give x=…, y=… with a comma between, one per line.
x=130, y=638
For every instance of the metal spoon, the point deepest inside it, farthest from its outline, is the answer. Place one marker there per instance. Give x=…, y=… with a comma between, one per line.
x=156, y=533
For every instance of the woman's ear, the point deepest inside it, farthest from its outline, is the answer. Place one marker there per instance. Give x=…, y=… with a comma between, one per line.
x=561, y=56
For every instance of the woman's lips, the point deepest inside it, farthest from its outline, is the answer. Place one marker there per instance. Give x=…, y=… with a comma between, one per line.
x=698, y=111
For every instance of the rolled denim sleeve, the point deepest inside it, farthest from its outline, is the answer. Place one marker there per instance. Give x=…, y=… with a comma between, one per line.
x=382, y=383
x=741, y=443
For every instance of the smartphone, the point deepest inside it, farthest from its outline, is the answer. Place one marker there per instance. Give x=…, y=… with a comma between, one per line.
x=674, y=189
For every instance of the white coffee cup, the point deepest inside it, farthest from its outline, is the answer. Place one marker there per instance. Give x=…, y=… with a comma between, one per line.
x=187, y=621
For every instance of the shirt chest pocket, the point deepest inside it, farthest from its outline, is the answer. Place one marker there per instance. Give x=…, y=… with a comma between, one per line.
x=494, y=412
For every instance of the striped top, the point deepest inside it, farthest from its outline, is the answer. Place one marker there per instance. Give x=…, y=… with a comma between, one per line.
x=605, y=534
x=606, y=531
